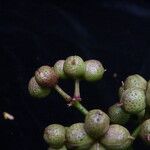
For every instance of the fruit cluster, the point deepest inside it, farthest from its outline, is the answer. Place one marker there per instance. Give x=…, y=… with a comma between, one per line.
x=74, y=67
x=99, y=130
x=95, y=133
x=134, y=97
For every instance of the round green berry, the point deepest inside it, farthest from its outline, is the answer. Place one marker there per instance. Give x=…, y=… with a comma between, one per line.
x=77, y=137
x=135, y=81
x=97, y=146
x=96, y=123
x=145, y=131
x=54, y=135
x=46, y=76
x=133, y=100
x=148, y=94
x=117, y=138
x=94, y=70
x=74, y=67
x=118, y=115
x=37, y=91
x=62, y=148
x=58, y=67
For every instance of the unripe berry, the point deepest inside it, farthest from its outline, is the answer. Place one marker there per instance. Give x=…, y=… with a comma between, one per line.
x=54, y=135
x=94, y=70
x=46, y=76
x=96, y=123
x=62, y=148
x=118, y=115
x=58, y=67
x=74, y=67
x=37, y=91
x=97, y=146
x=148, y=94
x=77, y=137
x=145, y=131
x=133, y=100
x=135, y=81
x=117, y=138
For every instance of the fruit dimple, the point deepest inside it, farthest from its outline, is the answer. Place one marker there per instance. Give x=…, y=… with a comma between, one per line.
x=73, y=62
x=74, y=67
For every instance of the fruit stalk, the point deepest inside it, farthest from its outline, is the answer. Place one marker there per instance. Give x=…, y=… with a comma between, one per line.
x=77, y=89
x=63, y=93
x=68, y=98
x=80, y=107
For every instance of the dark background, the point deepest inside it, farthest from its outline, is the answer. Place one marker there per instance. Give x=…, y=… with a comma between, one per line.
x=33, y=34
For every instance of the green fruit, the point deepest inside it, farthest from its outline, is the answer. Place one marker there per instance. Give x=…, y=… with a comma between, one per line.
x=118, y=115
x=94, y=70
x=62, y=148
x=148, y=94
x=37, y=91
x=135, y=81
x=121, y=90
x=133, y=100
x=58, y=67
x=117, y=138
x=77, y=138
x=54, y=135
x=97, y=146
x=96, y=123
x=46, y=76
x=74, y=67
x=145, y=131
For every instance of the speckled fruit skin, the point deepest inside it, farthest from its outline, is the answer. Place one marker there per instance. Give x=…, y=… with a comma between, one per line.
x=135, y=81
x=148, y=94
x=46, y=76
x=118, y=115
x=145, y=131
x=74, y=67
x=134, y=100
x=77, y=138
x=121, y=90
x=117, y=138
x=97, y=146
x=58, y=67
x=62, y=148
x=96, y=123
x=37, y=91
x=94, y=70
x=54, y=135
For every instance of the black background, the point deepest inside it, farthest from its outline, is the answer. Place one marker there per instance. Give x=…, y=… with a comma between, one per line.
x=37, y=33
